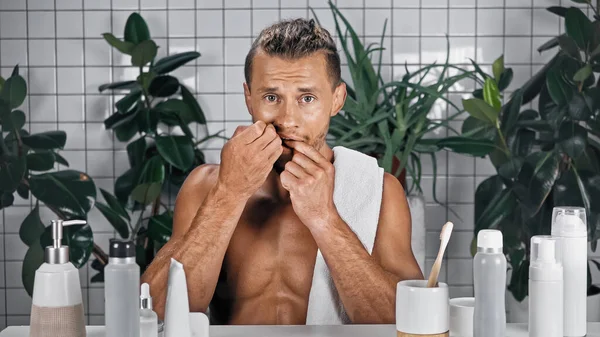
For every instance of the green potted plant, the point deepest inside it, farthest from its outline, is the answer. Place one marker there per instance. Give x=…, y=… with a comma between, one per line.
x=154, y=117
x=546, y=156
x=28, y=164
x=391, y=120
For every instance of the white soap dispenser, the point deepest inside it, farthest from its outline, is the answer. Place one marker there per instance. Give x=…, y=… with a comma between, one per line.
x=57, y=306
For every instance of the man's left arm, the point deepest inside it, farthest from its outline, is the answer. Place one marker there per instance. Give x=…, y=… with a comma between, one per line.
x=366, y=283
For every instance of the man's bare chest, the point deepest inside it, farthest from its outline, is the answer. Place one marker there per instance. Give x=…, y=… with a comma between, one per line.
x=270, y=251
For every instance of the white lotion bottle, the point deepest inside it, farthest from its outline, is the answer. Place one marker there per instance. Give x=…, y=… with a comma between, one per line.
x=148, y=318
x=57, y=306
x=489, y=284
x=122, y=291
x=570, y=225
x=545, y=288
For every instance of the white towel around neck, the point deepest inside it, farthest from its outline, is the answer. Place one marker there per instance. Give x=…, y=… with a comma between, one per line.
x=357, y=195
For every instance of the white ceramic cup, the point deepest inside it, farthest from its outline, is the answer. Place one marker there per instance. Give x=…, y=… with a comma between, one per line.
x=421, y=310
x=461, y=316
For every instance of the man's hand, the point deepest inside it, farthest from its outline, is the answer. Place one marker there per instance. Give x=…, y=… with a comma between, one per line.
x=248, y=158
x=309, y=178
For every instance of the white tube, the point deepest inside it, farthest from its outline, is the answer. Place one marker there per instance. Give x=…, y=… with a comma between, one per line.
x=177, y=307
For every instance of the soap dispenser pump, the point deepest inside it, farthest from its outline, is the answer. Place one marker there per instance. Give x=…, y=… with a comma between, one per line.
x=57, y=307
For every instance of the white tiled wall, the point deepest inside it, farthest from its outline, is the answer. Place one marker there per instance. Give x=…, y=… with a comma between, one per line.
x=59, y=47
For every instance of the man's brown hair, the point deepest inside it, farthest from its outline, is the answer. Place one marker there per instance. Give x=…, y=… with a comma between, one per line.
x=294, y=39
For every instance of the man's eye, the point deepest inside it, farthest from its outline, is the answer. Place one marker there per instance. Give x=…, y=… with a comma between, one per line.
x=308, y=99
x=271, y=98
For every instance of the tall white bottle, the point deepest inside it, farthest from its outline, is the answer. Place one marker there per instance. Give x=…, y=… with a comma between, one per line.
x=545, y=288
x=489, y=283
x=122, y=291
x=570, y=225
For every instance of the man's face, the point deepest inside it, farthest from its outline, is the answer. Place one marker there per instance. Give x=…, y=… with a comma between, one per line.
x=296, y=96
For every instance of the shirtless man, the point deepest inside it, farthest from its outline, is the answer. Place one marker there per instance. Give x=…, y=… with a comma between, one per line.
x=247, y=230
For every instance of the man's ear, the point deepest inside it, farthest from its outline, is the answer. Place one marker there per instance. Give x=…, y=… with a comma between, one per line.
x=247, y=98
x=339, y=98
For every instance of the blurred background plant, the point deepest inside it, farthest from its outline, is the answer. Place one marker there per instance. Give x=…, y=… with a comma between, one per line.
x=159, y=109
x=392, y=120
x=28, y=164
x=545, y=156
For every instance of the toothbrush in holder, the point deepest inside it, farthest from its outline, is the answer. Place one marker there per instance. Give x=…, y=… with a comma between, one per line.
x=444, y=238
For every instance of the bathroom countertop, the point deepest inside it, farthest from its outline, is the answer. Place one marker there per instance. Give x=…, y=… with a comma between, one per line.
x=513, y=330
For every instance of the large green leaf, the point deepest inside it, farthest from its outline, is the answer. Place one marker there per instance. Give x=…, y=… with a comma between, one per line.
x=73, y=193
x=12, y=171
x=114, y=204
x=505, y=79
x=194, y=108
x=126, y=103
x=534, y=85
x=569, y=47
x=127, y=130
x=125, y=85
x=521, y=142
x=80, y=240
x=579, y=27
x=163, y=86
x=572, y=139
x=176, y=150
x=14, y=91
x=510, y=112
x=466, y=145
x=136, y=151
x=40, y=161
x=559, y=90
x=120, y=119
x=32, y=227
x=125, y=184
x=498, y=67
x=500, y=207
x=136, y=29
x=583, y=73
x=481, y=110
x=518, y=284
x=13, y=120
x=511, y=168
x=535, y=180
x=153, y=171
x=485, y=192
x=551, y=43
x=46, y=140
x=566, y=191
x=146, y=193
x=118, y=223
x=124, y=47
x=160, y=228
x=147, y=121
x=143, y=53
x=171, y=107
x=6, y=199
x=31, y=262
x=491, y=94
x=172, y=62
x=581, y=106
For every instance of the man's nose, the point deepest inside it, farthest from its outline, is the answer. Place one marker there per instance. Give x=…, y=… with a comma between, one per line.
x=287, y=117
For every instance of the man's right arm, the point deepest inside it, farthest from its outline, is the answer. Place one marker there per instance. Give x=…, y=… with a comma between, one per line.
x=199, y=241
x=207, y=210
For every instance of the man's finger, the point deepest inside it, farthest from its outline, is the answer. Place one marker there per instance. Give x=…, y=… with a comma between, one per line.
x=288, y=180
x=307, y=150
x=305, y=162
x=252, y=132
x=297, y=170
x=268, y=135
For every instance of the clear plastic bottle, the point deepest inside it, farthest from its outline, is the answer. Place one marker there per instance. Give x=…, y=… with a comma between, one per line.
x=545, y=288
x=489, y=273
x=122, y=291
x=148, y=318
x=570, y=226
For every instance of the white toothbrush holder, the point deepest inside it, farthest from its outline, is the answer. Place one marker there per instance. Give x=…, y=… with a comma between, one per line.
x=421, y=311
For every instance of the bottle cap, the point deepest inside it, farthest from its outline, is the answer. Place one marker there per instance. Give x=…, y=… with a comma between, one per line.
x=545, y=258
x=121, y=248
x=489, y=240
x=569, y=222
x=58, y=253
x=145, y=298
